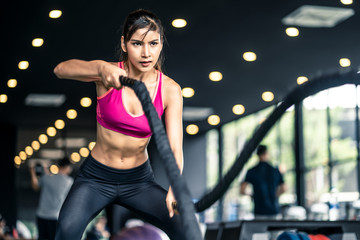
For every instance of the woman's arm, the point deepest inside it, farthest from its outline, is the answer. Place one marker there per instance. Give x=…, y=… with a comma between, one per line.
x=174, y=129
x=90, y=71
x=173, y=121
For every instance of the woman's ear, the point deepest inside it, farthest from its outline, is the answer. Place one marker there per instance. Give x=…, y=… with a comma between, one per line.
x=123, y=46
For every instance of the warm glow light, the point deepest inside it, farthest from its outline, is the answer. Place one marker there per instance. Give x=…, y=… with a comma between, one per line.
x=55, y=14
x=85, y=102
x=12, y=83
x=23, y=155
x=37, y=42
x=238, y=109
x=59, y=124
x=215, y=76
x=179, y=23
x=75, y=157
x=302, y=79
x=347, y=2
x=71, y=114
x=17, y=160
x=84, y=152
x=54, y=169
x=267, y=96
x=43, y=139
x=213, y=119
x=187, y=92
x=292, y=32
x=249, y=56
x=29, y=151
x=345, y=62
x=3, y=98
x=91, y=145
x=51, y=131
x=23, y=65
x=192, y=129
x=35, y=145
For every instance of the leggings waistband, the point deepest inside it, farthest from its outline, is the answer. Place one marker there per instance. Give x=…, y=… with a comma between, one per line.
x=91, y=168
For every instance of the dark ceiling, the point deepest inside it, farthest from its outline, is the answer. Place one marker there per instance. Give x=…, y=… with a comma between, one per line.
x=217, y=34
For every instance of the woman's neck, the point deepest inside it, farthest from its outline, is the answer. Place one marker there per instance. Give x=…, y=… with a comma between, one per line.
x=133, y=72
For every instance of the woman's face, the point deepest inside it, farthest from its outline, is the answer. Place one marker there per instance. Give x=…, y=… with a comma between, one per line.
x=143, y=50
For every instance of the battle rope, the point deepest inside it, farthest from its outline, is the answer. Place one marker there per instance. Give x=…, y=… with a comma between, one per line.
x=181, y=191
x=296, y=96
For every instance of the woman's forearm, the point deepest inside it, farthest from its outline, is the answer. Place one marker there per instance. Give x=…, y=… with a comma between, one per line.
x=76, y=69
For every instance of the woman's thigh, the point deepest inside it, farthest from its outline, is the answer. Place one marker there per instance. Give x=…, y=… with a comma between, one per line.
x=148, y=200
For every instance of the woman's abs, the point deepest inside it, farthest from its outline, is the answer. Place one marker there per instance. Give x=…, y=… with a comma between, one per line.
x=118, y=150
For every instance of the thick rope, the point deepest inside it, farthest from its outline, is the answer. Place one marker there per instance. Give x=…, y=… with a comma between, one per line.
x=180, y=189
x=294, y=97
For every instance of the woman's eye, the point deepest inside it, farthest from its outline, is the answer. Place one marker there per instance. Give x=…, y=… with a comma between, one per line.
x=153, y=43
x=137, y=44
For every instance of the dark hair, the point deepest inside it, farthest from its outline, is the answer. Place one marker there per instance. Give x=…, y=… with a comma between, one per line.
x=261, y=150
x=64, y=162
x=137, y=20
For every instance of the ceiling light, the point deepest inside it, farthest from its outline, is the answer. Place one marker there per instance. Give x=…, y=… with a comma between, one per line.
x=91, y=145
x=55, y=14
x=3, y=98
x=345, y=62
x=84, y=152
x=302, y=79
x=238, y=109
x=51, y=131
x=249, y=56
x=71, y=114
x=292, y=32
x=59, y=124
x=29, y=151
x=23, y=65
x=54, y=169
x=35, y=145
x=45, y=100
x=22, y=155
x=52, y=153
x=85, y=102
x=215, y=76
x=196, y=113
x=213, y=120
x=37, y=42
x=12, y=83
x=75, y=157
x=17, y=160
x=317, y=16
x=347, y=2
x=179, y=23
x=192, y=129
x=267, y=96
x=188, y=92
x=43, y=139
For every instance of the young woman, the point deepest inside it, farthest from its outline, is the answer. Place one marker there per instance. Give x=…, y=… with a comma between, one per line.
x=118, y=170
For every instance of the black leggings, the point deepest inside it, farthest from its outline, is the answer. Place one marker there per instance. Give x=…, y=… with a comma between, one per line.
x=98, y=185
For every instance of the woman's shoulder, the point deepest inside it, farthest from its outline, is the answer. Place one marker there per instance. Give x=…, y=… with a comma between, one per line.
x=169, y=84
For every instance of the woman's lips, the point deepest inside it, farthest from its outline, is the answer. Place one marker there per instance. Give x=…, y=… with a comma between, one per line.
x=145, y=64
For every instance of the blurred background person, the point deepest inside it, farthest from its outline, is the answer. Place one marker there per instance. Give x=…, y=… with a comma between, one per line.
x=53, y=190
x=267, y=183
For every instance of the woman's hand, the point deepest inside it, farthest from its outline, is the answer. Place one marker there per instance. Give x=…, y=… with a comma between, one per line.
x=110, y=74
x=170, y=199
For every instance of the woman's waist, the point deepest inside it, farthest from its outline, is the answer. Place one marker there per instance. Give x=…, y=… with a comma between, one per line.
x=94, y=169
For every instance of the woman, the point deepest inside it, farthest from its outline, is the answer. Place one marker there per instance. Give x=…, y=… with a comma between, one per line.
x=118, y=170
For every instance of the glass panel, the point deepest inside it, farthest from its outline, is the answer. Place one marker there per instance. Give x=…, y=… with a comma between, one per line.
x=315, y=130
x=212, y=157
x=344, y=177
x=289, y=197
x=317, y=184
x=342, y=113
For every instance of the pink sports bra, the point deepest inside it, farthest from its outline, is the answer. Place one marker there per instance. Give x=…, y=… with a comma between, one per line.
x=112, y=114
